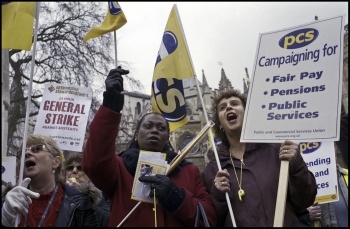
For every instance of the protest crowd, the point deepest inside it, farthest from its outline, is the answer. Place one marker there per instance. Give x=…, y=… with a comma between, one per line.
x=149, y=184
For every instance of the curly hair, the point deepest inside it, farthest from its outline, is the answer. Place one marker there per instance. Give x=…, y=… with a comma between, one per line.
x=227, y=93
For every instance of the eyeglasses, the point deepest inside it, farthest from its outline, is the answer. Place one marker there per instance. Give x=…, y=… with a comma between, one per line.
x=34, y=149
x=71, y=168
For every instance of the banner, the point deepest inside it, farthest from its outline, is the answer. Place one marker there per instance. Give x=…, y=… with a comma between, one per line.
x=8, y=170
x=17, y=19
x=320, y=160
x=296, y=88
x=173, y=64
x=63, y=115
x=114, y=20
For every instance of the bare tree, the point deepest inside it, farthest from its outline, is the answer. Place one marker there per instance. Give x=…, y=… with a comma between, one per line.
x=61, y=57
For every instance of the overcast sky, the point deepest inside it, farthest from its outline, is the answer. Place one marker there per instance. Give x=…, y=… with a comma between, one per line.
x=225, y=32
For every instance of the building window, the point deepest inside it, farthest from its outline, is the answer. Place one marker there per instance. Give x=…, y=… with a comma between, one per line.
x=138, y=108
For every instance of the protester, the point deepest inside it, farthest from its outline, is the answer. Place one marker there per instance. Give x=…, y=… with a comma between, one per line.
x=335, y=214
x=304, y=218
x=332, y=214
x=311, y=216
x=178, y=193
x=76, y=178
x=314, y=212
x=343, y=143
x=42, y=199
x=250, y=171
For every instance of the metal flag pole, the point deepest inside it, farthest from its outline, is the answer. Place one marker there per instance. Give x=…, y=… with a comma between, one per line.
x=24, y=144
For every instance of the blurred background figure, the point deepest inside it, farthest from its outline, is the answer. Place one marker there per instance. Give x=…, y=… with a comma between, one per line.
x=76, y=178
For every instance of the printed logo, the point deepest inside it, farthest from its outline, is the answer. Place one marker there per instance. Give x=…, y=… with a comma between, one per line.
x=114, y=8
x=51, y=88
x=169, y=45
x=309, y=147
x=170, y=99
x=298, y=38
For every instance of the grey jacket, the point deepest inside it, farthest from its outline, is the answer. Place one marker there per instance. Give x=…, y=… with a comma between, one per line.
x=335, y=214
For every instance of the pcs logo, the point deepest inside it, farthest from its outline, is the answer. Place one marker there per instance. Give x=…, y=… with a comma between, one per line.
x=298, y=38
x=309, y=147
x=170, y=99
x=114, y=8
x=168, y=92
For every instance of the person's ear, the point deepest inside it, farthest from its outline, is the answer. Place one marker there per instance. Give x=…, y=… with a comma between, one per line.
x=56, y=161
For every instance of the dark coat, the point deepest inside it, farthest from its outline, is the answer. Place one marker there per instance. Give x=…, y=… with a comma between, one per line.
x=109, y=174
x=76, y=210
x=260, y=180
x=100, y=202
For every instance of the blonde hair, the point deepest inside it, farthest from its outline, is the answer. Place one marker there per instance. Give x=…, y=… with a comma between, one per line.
x=53, y=148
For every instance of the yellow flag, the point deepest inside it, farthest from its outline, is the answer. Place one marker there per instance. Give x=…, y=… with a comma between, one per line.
x=17, y=19
x=173, y=64
x=114, y=20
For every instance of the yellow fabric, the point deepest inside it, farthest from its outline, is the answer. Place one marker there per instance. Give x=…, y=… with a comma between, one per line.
x=177, y=64
x=17, y=19
x=346, y=177
x=112, y=22
x=172, y=65
x=212, y=134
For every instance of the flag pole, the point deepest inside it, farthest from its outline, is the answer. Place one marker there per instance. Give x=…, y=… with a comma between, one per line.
x=211, y=138
x=24, y=144
x=115, y=48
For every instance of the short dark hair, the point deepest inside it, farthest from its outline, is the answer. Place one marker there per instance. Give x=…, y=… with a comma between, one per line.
x=73, y=156
x=135, y=144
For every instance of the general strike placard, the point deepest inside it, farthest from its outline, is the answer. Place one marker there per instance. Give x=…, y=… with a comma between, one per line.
x=63, y=115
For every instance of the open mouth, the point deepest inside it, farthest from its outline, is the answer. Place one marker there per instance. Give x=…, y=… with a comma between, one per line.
x=153, y=139
x=231, y=117
x=29, y=164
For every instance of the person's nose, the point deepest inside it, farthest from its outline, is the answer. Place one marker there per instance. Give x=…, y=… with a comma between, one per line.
x=155, y=129
x=75, y=170
x=229, y=107
x=28, y=152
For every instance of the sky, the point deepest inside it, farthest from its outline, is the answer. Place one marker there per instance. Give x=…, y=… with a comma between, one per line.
x=219, y=34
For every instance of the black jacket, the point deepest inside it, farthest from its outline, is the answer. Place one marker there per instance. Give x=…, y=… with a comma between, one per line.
x=76, y=210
